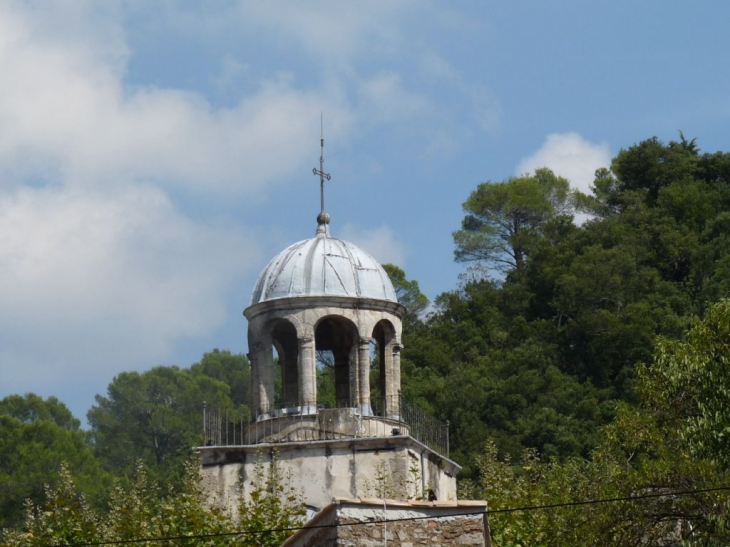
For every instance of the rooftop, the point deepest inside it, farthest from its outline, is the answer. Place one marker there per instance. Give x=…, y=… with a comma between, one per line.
x=323, y=266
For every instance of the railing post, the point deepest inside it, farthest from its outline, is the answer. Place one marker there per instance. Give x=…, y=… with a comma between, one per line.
x=448, y=448
x=400, y=411
x=205, y=426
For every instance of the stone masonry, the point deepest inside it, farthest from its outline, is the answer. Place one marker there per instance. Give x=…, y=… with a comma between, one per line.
x=375, y=522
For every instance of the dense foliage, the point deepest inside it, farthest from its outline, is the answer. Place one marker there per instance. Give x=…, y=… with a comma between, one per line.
x=155, y=416
x=660, y=474
x=36, y=436
x=534, y=354
x=505, y=221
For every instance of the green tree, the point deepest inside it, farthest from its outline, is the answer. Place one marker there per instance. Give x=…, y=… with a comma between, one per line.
x=505, y=220
x=692, y=377
x=148, y=509
x=62, y=517
x=653, y=453
x=539, y=354
x=650, y=166
x=36, y=436
x=155, y=417
x=230, y=368
x=30, y=407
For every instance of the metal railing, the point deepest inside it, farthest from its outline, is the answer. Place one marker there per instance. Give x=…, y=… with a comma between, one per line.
x=343, y=420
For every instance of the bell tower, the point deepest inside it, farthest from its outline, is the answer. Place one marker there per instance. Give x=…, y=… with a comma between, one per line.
x=324, y=295
x=325, y=299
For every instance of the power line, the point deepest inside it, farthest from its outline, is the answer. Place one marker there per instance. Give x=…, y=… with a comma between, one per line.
x=637, y=497
x=634, y=498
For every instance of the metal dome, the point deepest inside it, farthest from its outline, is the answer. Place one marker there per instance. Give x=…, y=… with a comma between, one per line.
x=323, y=266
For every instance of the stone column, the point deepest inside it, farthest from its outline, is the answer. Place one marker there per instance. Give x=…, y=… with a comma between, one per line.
x=307, y=376
x=262, y=364
x=252, y=359
x=363, y=373
x=391, y=391
x=395, y=382
x=354, y=375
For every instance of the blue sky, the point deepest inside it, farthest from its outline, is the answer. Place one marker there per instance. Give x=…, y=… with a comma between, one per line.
x=155, y=155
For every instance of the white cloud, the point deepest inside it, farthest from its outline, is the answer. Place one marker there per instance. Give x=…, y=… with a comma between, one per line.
x=571, y=156
x=93, y=283
x=100, y=271
x=381, y=243
x=64, y=110
x=364, y=51
x=329, y=34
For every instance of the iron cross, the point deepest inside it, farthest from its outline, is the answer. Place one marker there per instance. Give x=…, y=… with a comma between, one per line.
x=320, y=171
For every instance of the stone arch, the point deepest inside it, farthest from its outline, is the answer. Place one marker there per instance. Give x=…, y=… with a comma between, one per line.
x=284, y=339
x=339, y=335
x=388, y=384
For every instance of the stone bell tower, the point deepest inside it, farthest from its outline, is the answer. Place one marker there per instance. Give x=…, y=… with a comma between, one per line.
x=324, y=295
x=325, y=299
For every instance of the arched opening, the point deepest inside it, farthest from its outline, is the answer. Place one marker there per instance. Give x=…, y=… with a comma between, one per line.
x=385, y=386
x=284, y=340
x=336, y=337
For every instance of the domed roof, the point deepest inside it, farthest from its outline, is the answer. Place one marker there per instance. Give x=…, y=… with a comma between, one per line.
x=323, y=266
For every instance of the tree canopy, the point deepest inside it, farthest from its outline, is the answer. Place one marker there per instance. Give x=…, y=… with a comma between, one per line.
x=659, y=474
x=533, y=353
x=37, y=437
x=154, y=417
x=505, y=220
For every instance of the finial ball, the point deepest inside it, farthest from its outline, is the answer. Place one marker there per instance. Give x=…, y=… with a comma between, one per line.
x=323, y=218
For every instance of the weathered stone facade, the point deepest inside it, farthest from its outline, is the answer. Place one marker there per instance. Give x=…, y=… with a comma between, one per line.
x=394, y=467
x=376, y=522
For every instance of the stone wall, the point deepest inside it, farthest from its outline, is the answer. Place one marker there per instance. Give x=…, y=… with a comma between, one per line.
x=455, y=531
x=392, y=467
x=373, y=523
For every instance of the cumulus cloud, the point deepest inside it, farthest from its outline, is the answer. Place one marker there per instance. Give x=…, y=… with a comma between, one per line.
x=93, y=283
x=381, y=243
x=341, y=40
x=571, y=156
x=64, y=104
x=100, y=270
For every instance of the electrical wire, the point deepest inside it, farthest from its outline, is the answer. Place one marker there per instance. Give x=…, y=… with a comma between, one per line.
x=487, y=512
